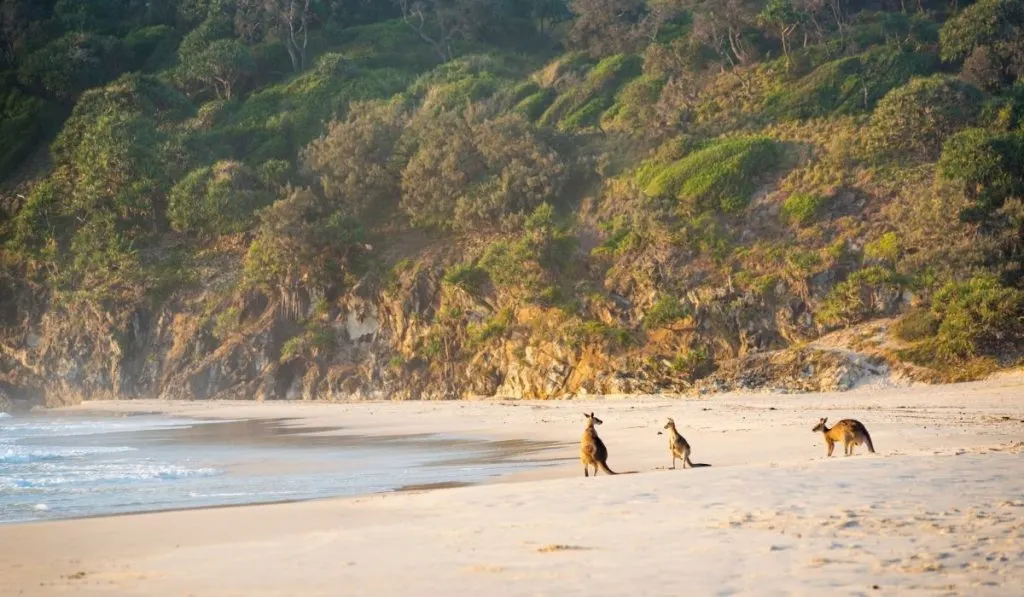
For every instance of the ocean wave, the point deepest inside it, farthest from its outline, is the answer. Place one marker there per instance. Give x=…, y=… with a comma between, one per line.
x=105, y=476
x=5, y=415
x=30, y=427
x=25, y=455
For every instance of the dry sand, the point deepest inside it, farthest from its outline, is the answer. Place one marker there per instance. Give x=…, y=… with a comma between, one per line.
x=938, y=510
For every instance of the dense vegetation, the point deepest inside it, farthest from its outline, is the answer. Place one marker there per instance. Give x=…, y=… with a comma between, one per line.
x=744, y=174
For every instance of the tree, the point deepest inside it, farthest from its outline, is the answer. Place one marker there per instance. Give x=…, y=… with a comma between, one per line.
x=917, y=118
x=95, y=15
x=466, y=172
x=15, y=17
x=292, y=18
x=250, y=20
x=525, y=171
x=604, y=27
x=362, y=12
x=73, y=63
x=223, y=66
x=444, y=166
x=354, y=160
x=783, y=18
x=302, y=243
x=116, y=154
x=547, y=13
x=442, y=23
x=990, y=36
x=721, y=25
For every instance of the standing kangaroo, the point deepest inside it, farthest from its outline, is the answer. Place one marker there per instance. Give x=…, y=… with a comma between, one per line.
x=851, y=432
x=592, y=449
x=677, y=445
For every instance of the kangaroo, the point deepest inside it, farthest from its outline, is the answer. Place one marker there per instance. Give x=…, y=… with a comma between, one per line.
x=851, y=432
x=678, y=446
x=592, y=449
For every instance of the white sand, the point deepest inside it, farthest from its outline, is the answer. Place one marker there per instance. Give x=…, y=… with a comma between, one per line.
x=939, y=509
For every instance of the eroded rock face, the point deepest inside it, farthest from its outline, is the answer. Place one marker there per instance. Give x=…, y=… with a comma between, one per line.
x=417, y=339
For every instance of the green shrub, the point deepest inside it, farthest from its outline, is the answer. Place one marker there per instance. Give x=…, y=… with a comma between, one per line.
x=721, y=177
x=633, y=110
x=597, y=332
x=316, y=340
x=622, y=237
x=508, y=264
x=802, y=208
x=581, y=106
x=152, y=48
x=495, y=327
x=990, y=167
x=886, y=248
x=977, y=315
x=884, y=27
x=23, y=122
x=915, y=325
x=917, y=118
x=861, y=296
x=40, y=218
x=849, y=85
x=523, y=90
x=468, y=277
x=275, y=174
x=587, y=115
x=274, y=122
x=987, y=23
x=227, y=323
x=664, y=311
x=533, y=106
x=220, y=199
x=694, y=363
x=804, y=263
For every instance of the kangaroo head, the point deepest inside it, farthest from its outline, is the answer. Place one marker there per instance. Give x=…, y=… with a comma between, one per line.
x=820, y=426
x=670, y=425
x=592, y=419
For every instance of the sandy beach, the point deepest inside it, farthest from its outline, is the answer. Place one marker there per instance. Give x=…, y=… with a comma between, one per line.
x=938, y=510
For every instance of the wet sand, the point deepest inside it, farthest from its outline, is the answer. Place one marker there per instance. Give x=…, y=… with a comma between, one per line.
x=938, y=510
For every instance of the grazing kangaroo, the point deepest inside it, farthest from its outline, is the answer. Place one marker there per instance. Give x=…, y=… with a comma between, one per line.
x=677, y=445
x=592, y=449
x=851, y=432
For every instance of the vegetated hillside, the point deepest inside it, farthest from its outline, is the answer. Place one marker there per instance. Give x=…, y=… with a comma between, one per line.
x=321, y=199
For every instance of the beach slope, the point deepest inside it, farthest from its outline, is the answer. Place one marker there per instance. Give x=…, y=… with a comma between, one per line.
x=938, y=510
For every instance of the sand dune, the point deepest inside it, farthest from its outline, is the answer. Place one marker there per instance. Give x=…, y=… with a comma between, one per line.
x=939, y=509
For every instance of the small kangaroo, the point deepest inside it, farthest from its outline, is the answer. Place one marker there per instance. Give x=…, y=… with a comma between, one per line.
x=677, y=445
x=592, y=449
x=851, y=432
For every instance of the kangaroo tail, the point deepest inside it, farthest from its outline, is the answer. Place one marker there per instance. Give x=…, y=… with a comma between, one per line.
x=867, y=440
x=604, y=467
x=687, y=461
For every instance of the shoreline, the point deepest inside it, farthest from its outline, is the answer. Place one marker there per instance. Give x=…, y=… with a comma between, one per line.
x=293, y=435
x=939, y=506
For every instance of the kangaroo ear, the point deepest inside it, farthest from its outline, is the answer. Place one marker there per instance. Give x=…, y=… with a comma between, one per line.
x=823, y=419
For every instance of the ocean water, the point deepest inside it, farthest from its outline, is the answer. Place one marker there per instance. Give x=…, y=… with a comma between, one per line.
x=65, y=466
